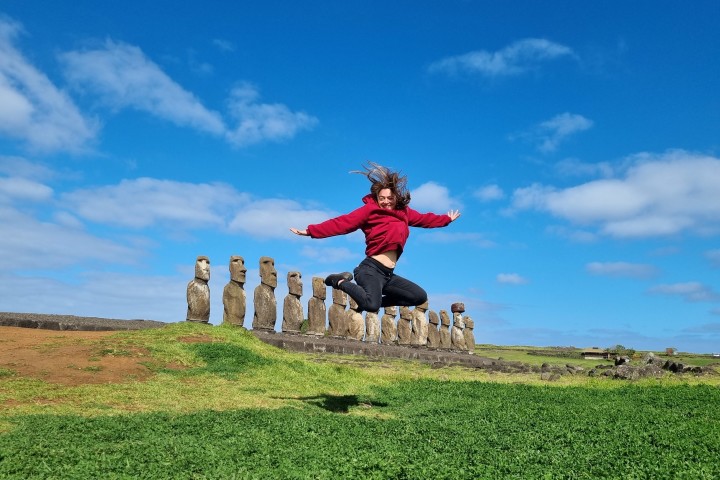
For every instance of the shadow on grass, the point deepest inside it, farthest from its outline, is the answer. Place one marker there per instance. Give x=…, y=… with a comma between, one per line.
x=336, y=403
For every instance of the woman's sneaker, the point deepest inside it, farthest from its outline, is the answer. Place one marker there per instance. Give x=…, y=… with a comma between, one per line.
x=332, y=280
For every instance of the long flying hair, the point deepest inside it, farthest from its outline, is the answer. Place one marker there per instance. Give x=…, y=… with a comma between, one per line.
x=382, y=177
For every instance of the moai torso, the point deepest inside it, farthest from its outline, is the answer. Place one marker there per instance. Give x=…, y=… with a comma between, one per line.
x=198, y=292
x=354, y=321
x=336, y=314
x=468, y=334
x=317, y=311
x=234, y=298
x=372, y=327
x=293, y=315
x=457, y=335
x=388, y=327
x=419, y=325
x=433, y=337
x=404, y=327
x=265, y=314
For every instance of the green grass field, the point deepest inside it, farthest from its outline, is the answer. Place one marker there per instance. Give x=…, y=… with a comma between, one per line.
x=241, y=409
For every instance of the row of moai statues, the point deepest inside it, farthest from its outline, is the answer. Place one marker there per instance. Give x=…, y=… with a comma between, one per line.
x=417, y=326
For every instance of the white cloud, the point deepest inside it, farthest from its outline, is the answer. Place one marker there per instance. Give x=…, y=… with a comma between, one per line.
x=489, y=193
x=33, y=109
x=272, y=218
x=258, y=122
x=571, y=167
x=514, y=59
x=328, y=254
x=621, y=269
x=432, y=197
x=511, y=279
x=659, y=195
x=29, y=243
x=548, y=135
x=443, y=236
x=224, y=45
x=20, y=189
x=690, y=291
x=20, y=167
x=146, y=201
x=714, y=257
x=122, y=76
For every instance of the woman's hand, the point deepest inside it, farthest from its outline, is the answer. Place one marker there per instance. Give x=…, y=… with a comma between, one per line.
x=303, y=233
x=453, y=214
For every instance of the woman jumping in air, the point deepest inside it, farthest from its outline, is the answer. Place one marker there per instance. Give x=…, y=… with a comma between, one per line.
x=384, y=218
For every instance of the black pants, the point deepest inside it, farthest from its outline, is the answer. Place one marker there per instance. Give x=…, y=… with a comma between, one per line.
x=377, y=286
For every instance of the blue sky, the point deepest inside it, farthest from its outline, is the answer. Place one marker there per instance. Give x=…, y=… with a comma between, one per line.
x=580, y=140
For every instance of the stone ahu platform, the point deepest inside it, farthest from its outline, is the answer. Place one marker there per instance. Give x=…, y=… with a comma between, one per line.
x=343, y=346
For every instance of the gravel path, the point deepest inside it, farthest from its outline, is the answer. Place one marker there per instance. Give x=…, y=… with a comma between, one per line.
x=71, y=322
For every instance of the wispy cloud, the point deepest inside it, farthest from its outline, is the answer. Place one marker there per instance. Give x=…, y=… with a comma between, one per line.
x=689, y=291
x=466, y=238
x=122, y=76
x=659, y=194
x=511, y=279
x=621, y=269
x=714, y=257
x=548, y=135
x=489, y=193
x=34, y=110
x=146, y=202
x=514, y=59
x=257, y=122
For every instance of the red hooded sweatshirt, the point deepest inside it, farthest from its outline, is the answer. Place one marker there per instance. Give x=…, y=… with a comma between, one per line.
x=384, y=229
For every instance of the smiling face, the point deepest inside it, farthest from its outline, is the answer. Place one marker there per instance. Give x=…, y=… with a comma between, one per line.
x=386, y=199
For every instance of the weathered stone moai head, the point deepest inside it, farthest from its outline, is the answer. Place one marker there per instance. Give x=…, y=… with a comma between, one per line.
x=444, y=318
x=458, y=320
x=202, y=268
x=423, y=306
x=406, y=313
x=391, y=311
x=339, y=297
x=468, y=322
x=268, y=274
x=237, y=269
x=295, y=286
x=433, y=318
x=319, y=288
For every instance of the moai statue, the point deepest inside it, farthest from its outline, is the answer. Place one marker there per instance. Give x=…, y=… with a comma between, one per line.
x=445, y=337
x=265, y=303
x=198, y=292
x=354, y=321
x=372, y=327
x=336, y=314
x=388, y=327
x=457, y=336
x=317, y=312
x=404, y=327
x=468, y=334
x=293, y=315
x=420, y=325
x=433, y=338
x=234, y=298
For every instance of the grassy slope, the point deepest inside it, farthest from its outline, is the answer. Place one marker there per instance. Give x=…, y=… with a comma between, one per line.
x=242, y=409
